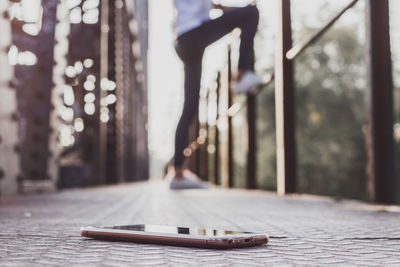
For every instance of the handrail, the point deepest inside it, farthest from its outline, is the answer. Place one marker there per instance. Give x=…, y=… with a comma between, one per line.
x=300, y=47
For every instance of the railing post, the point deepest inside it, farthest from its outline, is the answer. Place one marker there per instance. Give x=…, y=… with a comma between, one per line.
x=203, y=143
x=139, y=63
x=197, y=148
x=104, y=25
x=381, y=177
x=216, y=142
x=191, y=152
x=114, y=23
x=34, y=86
x=230, y=127
x=206, y=154
x=284, y=103
x=251, y=142
x=9, y=158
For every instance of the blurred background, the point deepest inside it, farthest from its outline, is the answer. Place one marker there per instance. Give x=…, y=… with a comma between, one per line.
x=91, y=92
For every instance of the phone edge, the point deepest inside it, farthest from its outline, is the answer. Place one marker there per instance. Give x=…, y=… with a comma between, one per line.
x=257, y=239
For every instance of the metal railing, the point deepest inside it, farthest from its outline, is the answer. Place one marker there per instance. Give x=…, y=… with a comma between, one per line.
x=222, y=164
x=69, y=91
x=215, y=141
x=301, y=46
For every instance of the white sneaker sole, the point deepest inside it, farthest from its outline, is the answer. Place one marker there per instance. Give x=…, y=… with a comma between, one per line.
x=187, y=183
x=249, y=82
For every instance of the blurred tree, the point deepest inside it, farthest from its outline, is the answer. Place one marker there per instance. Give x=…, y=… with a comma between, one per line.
x=330, y=88
x=331, y=116
x=266, y=152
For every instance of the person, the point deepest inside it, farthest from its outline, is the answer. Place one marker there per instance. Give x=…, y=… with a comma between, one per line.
x=195, y=31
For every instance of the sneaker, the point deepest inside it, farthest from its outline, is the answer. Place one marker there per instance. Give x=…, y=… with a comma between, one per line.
x=249, y=82
x=187, y=182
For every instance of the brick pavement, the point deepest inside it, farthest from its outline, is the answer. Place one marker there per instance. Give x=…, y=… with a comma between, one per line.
x=43, y=229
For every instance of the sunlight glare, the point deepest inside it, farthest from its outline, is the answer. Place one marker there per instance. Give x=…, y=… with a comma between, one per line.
x=72, y=3
x=69, y=96
x=75, y=16
x=31, y=10
x=90, y=4
x=79, y=125
x=89, y=98
x=90, y=108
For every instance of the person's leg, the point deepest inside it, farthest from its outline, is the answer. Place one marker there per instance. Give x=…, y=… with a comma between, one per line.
x=190, y=49
x=246, y=58
x=190, y=108
x=246, y=19
x=193, y=65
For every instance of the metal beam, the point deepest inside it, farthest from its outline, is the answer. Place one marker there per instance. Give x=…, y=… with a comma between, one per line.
x=217, y=135
x=381, y=177
x=111, y=149
x=105, y=28
x=34, y=93
x=9, y=159
x=301, y=46
x=251, y=141
x=230, y=126
x=284, y=103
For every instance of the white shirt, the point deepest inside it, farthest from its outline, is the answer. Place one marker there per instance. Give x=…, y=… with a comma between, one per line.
x=191, y=14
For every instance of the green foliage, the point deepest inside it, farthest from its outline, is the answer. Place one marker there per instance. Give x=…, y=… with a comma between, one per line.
x=266, y=143
x=330, y=106
x=330, y=87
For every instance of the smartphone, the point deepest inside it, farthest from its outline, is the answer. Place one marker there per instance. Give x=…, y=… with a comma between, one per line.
x=176, y=236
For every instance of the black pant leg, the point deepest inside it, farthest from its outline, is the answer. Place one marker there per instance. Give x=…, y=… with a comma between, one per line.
x=246, y=19
x=190, y=47
x=190, y=108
